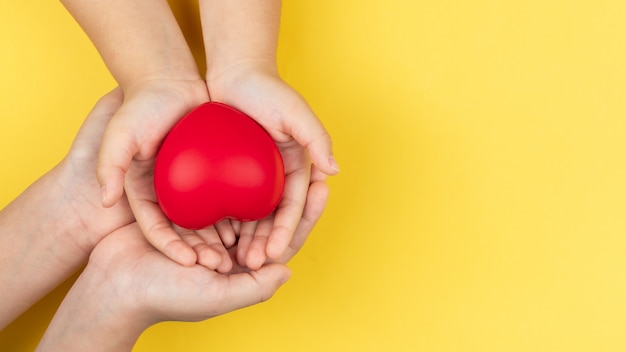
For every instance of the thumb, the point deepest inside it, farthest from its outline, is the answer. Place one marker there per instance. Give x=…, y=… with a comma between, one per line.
x=116, y=153
x=249, y=288
x=309, y=132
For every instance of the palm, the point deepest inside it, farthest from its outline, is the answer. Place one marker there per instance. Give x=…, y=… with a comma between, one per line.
x=163, y=290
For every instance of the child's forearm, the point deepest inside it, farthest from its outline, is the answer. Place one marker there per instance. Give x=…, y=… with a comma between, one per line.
x=239, y=32
x=138, y=40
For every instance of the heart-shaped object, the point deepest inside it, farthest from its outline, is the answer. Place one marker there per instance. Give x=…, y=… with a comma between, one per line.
x=217, y=163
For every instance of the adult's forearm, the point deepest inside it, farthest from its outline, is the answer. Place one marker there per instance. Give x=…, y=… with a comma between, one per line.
x=239, y=30
x=38, y=252
x=90, y=318
x=138, y=40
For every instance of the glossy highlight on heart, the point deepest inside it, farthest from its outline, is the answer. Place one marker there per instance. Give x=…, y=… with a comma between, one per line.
x=217, y=163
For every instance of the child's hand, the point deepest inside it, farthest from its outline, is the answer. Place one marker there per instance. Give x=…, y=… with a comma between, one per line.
x=260, y=93
x=130, y=144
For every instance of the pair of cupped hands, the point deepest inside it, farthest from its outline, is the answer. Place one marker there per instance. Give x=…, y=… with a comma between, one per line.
x=149, y=110
x=232, y=264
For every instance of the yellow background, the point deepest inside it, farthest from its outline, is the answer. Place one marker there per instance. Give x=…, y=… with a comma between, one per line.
x=482, y=200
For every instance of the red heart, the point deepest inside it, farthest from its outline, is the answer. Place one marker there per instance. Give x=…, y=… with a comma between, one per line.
x=217, y=163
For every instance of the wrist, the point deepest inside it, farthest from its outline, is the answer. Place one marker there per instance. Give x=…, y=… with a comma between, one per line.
x=189, y=92
x=172, y=69
x=224, y=75
x=239, y=33
x=73, y=208
x=58, y=222
x=94, y=316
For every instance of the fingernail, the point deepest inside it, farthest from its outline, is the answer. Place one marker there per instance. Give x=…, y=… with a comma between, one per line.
x=285, y=278
x=333, y=163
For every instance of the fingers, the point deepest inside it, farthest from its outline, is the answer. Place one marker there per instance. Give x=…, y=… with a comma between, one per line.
x=256, y=256
x=313, y=209
x=156, y=227
x=288, y=212
x=209, y=248
x=116, y=153
x=317, y=175
x=255, y=236
x=226, y=232
x=246, y=235
x=246, y=289
x=309, y=132
x=108, y=104
x=160, y=234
